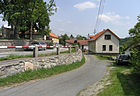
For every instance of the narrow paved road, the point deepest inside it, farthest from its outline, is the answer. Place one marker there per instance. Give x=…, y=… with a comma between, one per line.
x=66, y=84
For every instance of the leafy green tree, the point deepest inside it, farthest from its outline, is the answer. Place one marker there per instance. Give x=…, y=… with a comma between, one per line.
x=63, y=38
x=27, y=14
x=71, y=36
x=79, y=37
x=135, y=33
x=13, y=13
x=135, y=59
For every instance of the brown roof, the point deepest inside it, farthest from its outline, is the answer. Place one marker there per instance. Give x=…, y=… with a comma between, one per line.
x=82, y=42
x=69, y=41
x=53, y=35
x=91, y=36
x=95, y=37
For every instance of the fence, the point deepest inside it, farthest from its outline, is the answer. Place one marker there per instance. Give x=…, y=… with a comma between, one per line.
x=36, y=47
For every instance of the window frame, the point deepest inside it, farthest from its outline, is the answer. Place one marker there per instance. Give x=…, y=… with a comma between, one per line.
x=107, y=37
x=103, y=47
x=110, y=47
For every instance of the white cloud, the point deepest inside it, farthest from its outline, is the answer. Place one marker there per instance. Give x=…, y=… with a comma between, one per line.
x=110, y=17
x=113, y=18
x=85, y=5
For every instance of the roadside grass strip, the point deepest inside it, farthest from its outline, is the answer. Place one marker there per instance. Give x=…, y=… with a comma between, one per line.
x=104, y=57
x=39, y=74
x=123, y=82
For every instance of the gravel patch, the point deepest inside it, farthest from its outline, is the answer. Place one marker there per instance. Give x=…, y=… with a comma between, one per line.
x=97, y=87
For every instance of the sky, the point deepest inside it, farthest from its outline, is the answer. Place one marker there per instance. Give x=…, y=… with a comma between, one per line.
x=78, y=17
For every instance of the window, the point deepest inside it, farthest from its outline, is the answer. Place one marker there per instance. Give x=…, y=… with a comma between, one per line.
x=110, y=47
x=107, y=37
x=104, y=48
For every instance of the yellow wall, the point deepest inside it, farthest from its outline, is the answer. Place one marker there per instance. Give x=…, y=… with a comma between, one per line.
x=55, y=40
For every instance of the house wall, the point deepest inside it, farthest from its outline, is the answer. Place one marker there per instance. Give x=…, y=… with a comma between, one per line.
x=55, y=40
x=101, y=41
x=92, y=46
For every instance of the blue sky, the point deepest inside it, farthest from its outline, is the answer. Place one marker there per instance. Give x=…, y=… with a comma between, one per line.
x=79, y=16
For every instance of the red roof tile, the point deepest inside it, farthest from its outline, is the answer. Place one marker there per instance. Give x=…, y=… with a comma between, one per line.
x=91, y=36
x=53, y=35
x=101, y=33
x=69, y=41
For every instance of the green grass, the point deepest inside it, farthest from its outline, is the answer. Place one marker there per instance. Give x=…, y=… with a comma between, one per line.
x=123, y=83
x=30, y=56
x=39, y=74
x=103, y=57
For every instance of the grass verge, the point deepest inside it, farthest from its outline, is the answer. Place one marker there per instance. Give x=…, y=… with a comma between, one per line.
x=39, y=74
x=123, y=82
x=104, y=57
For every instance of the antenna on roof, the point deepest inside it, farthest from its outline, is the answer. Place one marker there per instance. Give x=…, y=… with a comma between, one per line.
x=94, y=31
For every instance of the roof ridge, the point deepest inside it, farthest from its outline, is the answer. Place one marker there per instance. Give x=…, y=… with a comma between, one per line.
x=96, y=36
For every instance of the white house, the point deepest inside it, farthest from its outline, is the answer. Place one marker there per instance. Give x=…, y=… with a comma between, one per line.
x=105, y=42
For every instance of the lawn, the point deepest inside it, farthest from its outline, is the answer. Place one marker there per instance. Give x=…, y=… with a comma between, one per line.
x=123, y=82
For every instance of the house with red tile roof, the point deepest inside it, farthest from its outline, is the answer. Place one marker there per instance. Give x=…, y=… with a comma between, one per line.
x=105, y=42
x=53, y=37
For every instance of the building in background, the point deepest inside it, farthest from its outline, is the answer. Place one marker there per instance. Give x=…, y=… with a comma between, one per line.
x=53, y=37
x=83, y=43
x=105, y=42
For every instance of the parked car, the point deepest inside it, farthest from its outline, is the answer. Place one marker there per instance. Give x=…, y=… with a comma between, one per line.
x=38, y=44
x=123, y=59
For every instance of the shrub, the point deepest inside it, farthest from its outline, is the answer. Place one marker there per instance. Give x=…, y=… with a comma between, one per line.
x=135, y=60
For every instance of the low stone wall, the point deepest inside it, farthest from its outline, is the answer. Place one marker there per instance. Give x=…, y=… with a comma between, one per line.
x=21, y=65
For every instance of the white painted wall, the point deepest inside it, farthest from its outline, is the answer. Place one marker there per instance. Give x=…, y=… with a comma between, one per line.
x=101, y=41
x=92, y=46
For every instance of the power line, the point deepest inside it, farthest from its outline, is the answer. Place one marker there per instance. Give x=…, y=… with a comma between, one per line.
x=100, y=12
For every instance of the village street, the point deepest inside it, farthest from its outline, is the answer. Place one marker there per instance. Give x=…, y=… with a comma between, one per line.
x=66, y=84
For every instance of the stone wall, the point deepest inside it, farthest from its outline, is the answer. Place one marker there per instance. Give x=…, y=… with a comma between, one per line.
x=11, y=67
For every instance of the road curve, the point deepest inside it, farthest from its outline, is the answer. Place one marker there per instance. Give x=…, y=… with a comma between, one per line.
x=66, y=84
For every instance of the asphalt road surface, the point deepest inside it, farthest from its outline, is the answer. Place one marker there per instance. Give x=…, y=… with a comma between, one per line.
x=66, y=84
x=4, y=54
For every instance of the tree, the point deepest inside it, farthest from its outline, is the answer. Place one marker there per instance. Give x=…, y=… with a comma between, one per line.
x=27, y=14
x=63, y=38
x=79, y=37
x=13, y=13
x=71, y=37
x=135, y=33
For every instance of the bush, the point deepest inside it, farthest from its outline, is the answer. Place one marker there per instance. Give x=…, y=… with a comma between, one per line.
x=135, y=60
